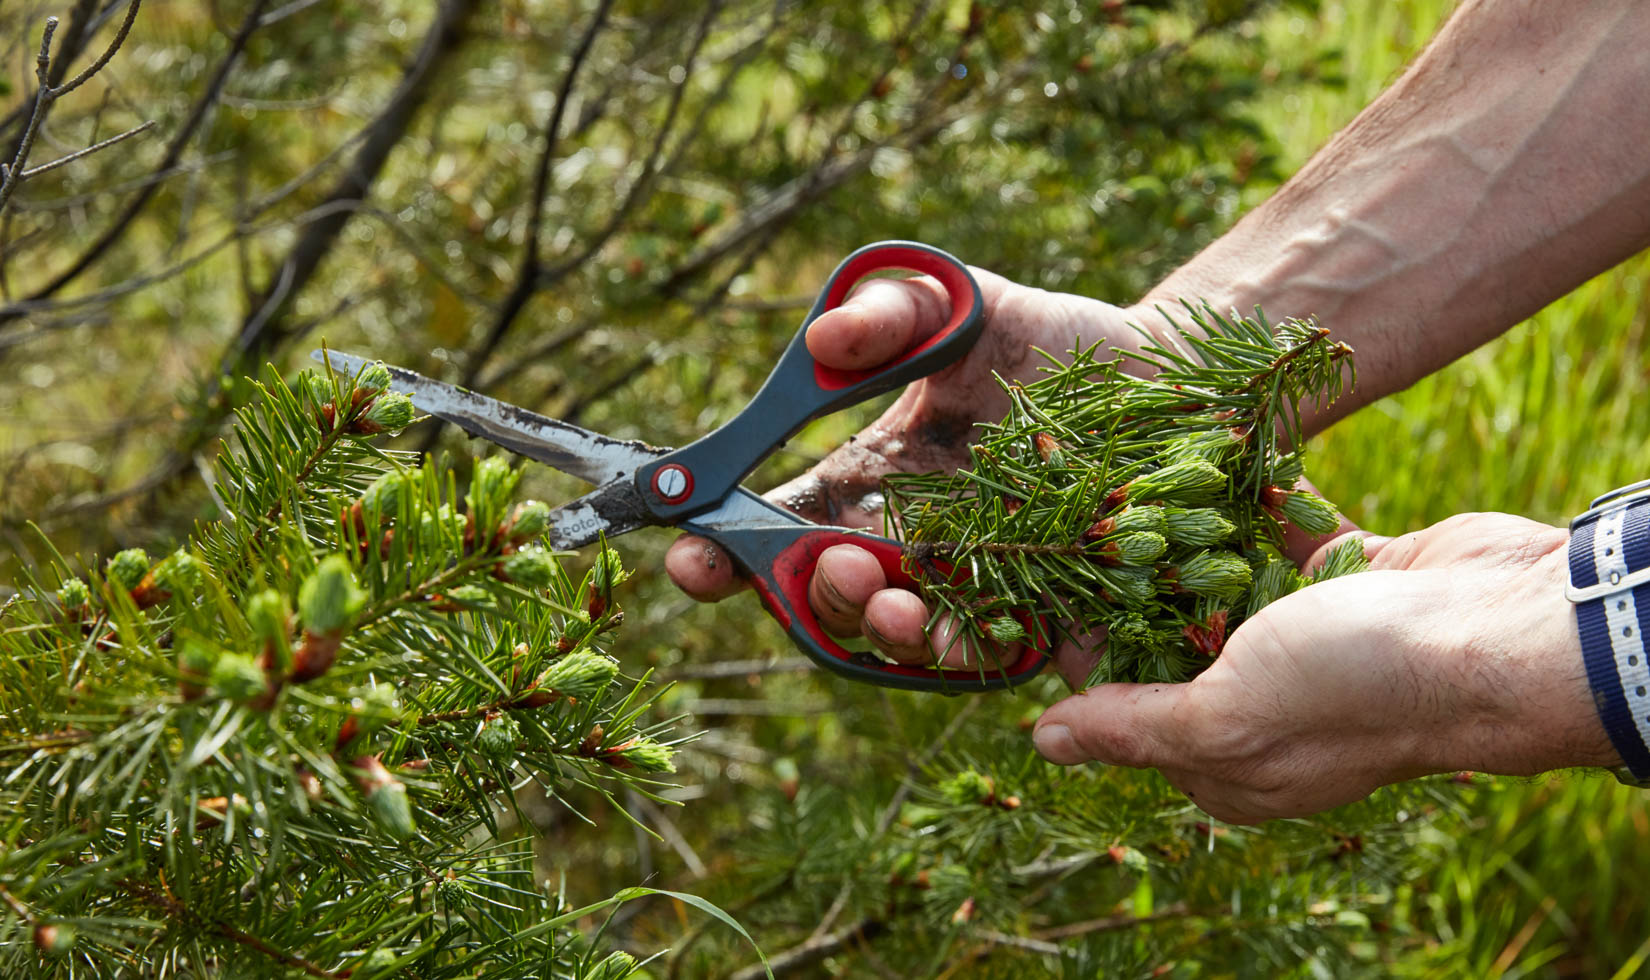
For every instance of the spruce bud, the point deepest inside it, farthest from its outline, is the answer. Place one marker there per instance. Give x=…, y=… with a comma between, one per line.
x=647, y=755
x=73, y=594
x=968, y=787
x=267, y=614
x=329, y=598
x=1007, y=629
x=608, y=572
x=386, y=414
x=1186, y=481
x=127, y=568
x=491, y=486
x=238, y=677
x=386, y=797
x=383, y=495
x=1049, y=448
x=582, y=674
x=531, y=519
x=1310, y=512
x=179, y=573
x=1216, y=574
x=1139, y=548
x=452, y=892
x=195, y=663
x=1199, y=527
x=534, y=568
x=54, y=939
x=498, y=738
x=465, y=598
x=1131, y=583
x=375, y=377
x=617, y=966
x=1141, y=518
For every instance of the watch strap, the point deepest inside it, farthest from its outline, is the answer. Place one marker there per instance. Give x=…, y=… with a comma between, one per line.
x=1609, y=583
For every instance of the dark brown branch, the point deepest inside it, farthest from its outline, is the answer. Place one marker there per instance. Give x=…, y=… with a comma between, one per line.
x=527, y=274
x=814, y=950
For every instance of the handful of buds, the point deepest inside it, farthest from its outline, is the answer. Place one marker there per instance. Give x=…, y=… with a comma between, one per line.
x=1150, y=507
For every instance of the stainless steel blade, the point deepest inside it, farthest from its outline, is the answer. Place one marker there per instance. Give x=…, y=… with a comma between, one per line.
x=610, y=509
x=580, y=452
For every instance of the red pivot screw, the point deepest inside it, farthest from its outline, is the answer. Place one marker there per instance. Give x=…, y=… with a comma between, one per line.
x=673, y=482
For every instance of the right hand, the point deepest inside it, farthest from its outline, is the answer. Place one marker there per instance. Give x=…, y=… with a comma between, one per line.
x=928, y=428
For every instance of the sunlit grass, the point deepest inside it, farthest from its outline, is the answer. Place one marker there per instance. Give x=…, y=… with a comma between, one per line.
x=1538, y=881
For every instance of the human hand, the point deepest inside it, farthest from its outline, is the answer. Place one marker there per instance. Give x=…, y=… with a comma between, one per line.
x=928, y=428
x=1456, y=650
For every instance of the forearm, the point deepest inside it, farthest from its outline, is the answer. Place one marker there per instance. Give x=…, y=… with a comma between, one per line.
x=1507, y=166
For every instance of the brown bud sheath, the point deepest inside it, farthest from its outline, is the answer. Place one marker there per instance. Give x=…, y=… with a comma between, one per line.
x=1210, y=637
x=315, y=655
x=1099, y=529
x=1116, y=498
x=1273, y=496
x=1047, y=445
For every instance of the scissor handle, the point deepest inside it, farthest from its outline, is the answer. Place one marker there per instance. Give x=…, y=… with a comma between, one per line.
x=780, y=560
x=800, y=389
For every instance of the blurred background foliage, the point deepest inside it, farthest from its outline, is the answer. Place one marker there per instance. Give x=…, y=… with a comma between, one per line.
x=378, y=176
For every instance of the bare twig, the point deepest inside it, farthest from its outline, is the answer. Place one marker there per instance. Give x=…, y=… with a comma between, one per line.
x=13, y=173
x=88, y=151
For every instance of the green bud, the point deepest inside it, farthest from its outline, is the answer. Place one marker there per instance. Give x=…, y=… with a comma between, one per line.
x=1218, y=574
x=1211, y=447
x=1134, y=860
x=73, y=593
x=1273, y=581
x=1199, y=527
x=1140, y=518
x=1346, y=558
x=534, y=569
x=55, y=939
x=127, y=568
x=498, y=738
x=648, y=756
x=491, y=486
x=472, y=597
x=582, y=674
x=452, y=892
x=1186, y=481
x=383, y=495
x=329, y=598
x=968, y=787
x=608, y=572
x=388, y=413
x=379, y=959
x=197, y=659
x=1310, y=512
x=1139, y=548
x=375, y=376
x=318, y=386
x=1006, y=629
x=387, y=798
x=1133, y=632
x=267, y=614
x=443, y=530
x=180, y=573
x=238, y=677
x=532, y=518
x=1129, y=584
x=617, y=966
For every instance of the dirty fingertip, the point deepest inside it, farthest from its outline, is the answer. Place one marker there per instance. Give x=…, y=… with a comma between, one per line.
x=702, y=569
x=894, y=621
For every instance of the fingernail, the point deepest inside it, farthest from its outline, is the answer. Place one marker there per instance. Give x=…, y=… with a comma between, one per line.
x=1054, y=743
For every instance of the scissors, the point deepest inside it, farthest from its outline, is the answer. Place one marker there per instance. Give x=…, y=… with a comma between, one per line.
x=696, y=488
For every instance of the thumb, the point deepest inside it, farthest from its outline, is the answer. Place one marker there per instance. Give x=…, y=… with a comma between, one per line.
x=1134, y=725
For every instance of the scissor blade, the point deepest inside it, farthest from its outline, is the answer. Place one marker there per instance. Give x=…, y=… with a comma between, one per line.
x=580, y=452
x=610, y=509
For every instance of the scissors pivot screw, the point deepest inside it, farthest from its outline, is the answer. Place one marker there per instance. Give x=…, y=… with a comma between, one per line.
x=673, y=482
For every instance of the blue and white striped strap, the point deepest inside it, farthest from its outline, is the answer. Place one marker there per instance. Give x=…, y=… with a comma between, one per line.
x=1610, y=586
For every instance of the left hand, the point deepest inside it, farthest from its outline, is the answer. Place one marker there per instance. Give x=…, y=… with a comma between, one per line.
x=1456, y=650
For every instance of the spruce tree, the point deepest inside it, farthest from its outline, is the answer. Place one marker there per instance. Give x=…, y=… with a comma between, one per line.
x=293, y=746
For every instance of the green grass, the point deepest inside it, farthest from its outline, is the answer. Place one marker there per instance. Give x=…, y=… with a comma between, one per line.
x=1542, y=879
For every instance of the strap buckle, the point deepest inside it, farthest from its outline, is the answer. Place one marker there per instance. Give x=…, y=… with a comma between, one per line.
x=1618, y=499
